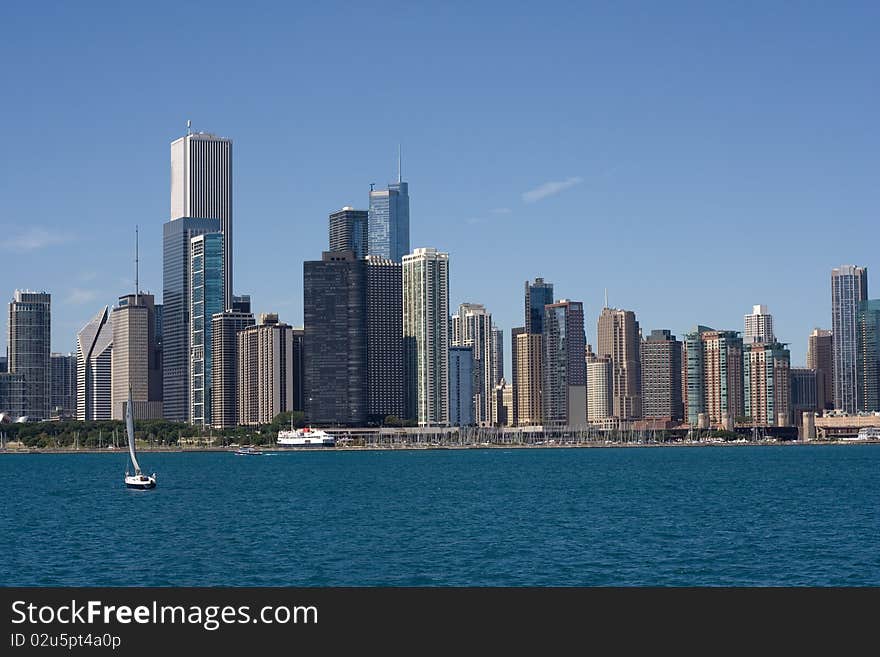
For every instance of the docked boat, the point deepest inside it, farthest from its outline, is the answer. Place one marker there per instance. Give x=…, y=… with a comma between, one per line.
x=138, y=480
x=306, y=437
x=868, y=433
x=248, y=451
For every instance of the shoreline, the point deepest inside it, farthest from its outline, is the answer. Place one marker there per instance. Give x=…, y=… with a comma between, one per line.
x=373, y=448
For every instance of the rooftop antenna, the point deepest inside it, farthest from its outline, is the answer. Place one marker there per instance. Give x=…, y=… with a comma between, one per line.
x=398, y=164
x=606, y=297
x=189, y=127
x=136, y=284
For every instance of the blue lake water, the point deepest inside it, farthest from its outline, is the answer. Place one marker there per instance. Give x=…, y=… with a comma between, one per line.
x=684, y=516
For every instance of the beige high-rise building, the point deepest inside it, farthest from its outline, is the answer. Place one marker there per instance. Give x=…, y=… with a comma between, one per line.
x=619, y=340
x=820, y=357
x=135, y=361
x=600, y=404
x=265, y=371
x=527, y=366
x=767, y=383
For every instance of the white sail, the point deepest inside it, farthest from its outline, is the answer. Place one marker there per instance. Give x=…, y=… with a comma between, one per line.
x=129, y=429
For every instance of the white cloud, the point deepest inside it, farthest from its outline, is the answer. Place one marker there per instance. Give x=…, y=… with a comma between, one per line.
x=550, y=189
x=78, y=296
x=36, y=238
x=501, y=211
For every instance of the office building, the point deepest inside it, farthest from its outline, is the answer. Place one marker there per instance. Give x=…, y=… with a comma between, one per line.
x=564, y=390
x=767, y=383
x=335, y=347
x=497, y=354
x=241, y=303
x=62, y=402
x=206, y=300
x=299, y=370
x=201, y=188
x=712, y=367
x=661, y=377
x=11, y=394
x=538, y=295
x=600, y=390
x=94, y=366
x=386, y=373
x=265, y=371
x=820, y=357
x=136, y=359
x=849, y=287
x=514, y=333
x=528, y=350
x=225, y=327
x=348, y=231
x=759, y=326
x=472, y=327
x=805, y=393
x=28, y=349
x=868, y=356
x=388, y=221
x=461, y=386
x=176, y=327
x=426, y=335
x=619, y=339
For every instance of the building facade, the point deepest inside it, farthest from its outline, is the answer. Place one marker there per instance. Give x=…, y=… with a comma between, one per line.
x=767, y=383
x=385, y=359
x=805, y=393
x=758, y=326
x=206, y=300
x=388, y=222
x=461, y=386
x=497, y=354
x=265, y=371
x=868, y=356
x=28, y=349
x=619, y=340
x=136, y=359
x=820, y=357
x=12, y=394
x=600, y=390
x=62, y=401
x=514, y=380
x=849, y=287
x=426, y=335
x=661, y=377
x=528, y=357
x=348, y=231
x=712, y=369
x=94, y=367
x=537, y=295
x=564, y=390
x=472, y=327
x=225, y=327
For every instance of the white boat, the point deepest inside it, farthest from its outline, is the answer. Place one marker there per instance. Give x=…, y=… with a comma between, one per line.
x=248, y=451
x=867, y=433
x=138, y=480
x=306, y=437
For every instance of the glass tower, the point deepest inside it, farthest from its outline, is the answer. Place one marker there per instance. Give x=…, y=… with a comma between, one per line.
x=388, y=222
x=206, y=270
x=868, y=358
x=849, y=287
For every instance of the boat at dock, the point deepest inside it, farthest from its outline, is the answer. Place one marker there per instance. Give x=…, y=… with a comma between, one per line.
x=305, y=437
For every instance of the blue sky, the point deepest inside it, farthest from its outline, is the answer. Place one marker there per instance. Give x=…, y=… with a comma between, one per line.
x=694, y=158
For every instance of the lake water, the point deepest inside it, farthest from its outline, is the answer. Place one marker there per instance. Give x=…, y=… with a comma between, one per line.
x=678, y=516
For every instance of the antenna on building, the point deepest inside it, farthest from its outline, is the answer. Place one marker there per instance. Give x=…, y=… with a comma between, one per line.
x=606, y=297
x=136, y=284
x=398, y=164
x=371, y=186
x=189, y=127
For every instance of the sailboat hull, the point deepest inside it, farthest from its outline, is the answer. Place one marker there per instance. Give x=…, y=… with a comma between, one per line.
x=140, y=483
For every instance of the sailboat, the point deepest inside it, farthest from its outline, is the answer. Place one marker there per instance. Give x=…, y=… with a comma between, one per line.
x=137, y=480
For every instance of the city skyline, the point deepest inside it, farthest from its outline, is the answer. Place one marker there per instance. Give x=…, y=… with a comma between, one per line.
x=709, y=156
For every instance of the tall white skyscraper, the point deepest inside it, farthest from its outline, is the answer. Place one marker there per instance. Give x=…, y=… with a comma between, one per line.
x=472, y=327
x=759, y=326
x=426, y=335
x=849, y=287
x=201, y=187
x=94, y=354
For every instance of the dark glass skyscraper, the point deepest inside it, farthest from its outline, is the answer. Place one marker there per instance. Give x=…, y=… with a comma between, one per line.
x=849, y=287
x=334, y=347
x=348, y=231
x=564, y=393
x=177, y=238
x=207, y=299
x=388, y=222
x=461, y=386
x=538, y=295
x=868, y=357
x=29, y=339
x=385, y=361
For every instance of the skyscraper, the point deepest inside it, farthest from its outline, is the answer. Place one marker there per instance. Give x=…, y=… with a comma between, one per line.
x=11, y=394
x=713, y=375
x=461, y=388
x=426, y=335
x=135, y=360
x=497, y=354
x=759, y=326
x=820, y=357
x=472, y=327
x=265, y=371
x=538, y=295
x=514, y=374
x=94, y=356
x=385, y=360
x=619, y=340
x=805, y=393
x=201, y=188
x=766, y=383
x=30, y=332
x=334, y=347
x=868, y=356
x=600, y=390
x=176, y=297
x=299, y=370
x=661, y=376
x=348, y=231
x=207, y=297
x=63, y=397
x=849, y=287
x=564, y=393
x=388, y=221
x=225, y=327
x=527, y=361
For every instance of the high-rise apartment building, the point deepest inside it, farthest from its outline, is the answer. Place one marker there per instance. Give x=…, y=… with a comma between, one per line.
x=94, y=367
x=564, y=390
x=528, y=350
x=201, y=188
x=820, y=357
x=62, y=401
x=497, y=354
x=348, y=231
x=335, y=345
x=136, y=359
x=758, y=326
x=514, y=374
x=386, y=373
x=30, y=332
x=712, y=368
x=619, y=340
x=868, y=356
x=849, y=287
x=11, y=394
x=177, y=305
x=206, y=300
x=225, y=327
x=661, y=376
x=461, y=386
x=426, y=335
x=265, y=371
x=767, y=383
x=600, y=390
x=472, y=327
x=388, y=221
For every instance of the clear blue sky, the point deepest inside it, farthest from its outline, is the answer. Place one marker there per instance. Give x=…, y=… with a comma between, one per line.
x=694, y=158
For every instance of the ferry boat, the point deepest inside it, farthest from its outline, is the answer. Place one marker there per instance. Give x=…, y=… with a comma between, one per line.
x=306, y=437
x=868, y=433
